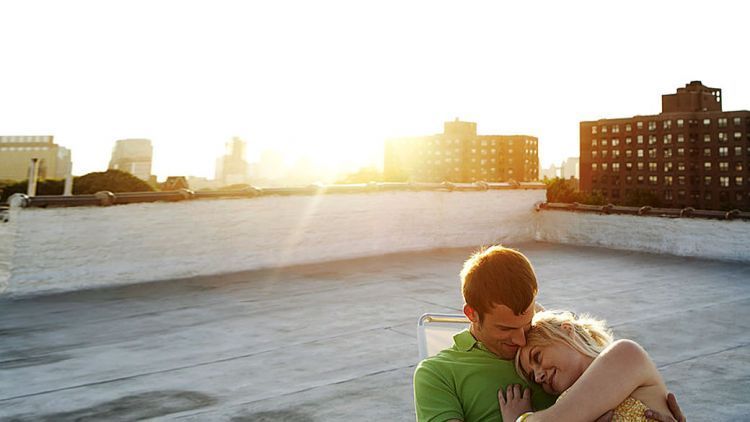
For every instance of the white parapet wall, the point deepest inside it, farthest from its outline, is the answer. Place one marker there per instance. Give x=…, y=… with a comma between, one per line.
x=700, y=238
x=58, y=249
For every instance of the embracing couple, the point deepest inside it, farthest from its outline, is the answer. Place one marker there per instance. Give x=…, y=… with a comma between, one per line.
x=517, y=362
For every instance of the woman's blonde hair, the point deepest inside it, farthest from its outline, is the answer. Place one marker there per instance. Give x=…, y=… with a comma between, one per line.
x=583, y=333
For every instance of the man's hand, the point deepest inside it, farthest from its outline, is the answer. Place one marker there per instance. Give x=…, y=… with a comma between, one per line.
x=607, y=417
x=676, y=415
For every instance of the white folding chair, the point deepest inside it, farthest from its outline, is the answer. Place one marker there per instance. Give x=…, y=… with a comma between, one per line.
x=435, y=332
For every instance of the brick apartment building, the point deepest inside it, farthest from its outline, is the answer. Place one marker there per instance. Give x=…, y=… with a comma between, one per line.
x=691, y=154
x=460, y=155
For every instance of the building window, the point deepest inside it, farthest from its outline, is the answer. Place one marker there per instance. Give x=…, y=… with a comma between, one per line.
x=629, y=166
x=667, y=195
x=706, y=122
x=639, y=165
x=593, y=130
x=680, y=123
x=651, y=139
x=667, y=124
x=594, y=167
x=639, y=125
x=722, y=121
x=605, y=166
x=707, y=137
x=604, y=153
x=594, y=154
x=593, y=142
x=651, y=125
x=639, y=179
x=680, y=152
x=652, y=166
x=707, y=166
x=604, y=142
x=737, y=121
x=680, y=166
x=615, y=166
x=724, y=181
x=723, y=151
x=737, y=136
x=706, y=152
x=652, y=153
x=724, y=166
x=680, y=138
x=653, y=180
x=615, y=142
x=668, y=138
x=737, y=151
x=640, y=153
x=668, y=153
x=640, y=139
x=723, y=137
x=628, y=141
x=615, y=128
x=707, y=180
x=628, y=127
x=680, y=180
x=628, y=153
x=738, y=181
x=667, y=166
x=738, y=166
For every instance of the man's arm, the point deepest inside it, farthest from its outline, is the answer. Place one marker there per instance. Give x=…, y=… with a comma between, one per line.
x=435, y=399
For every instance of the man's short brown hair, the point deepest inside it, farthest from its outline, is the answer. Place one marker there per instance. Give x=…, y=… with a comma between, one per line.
x=498, y=276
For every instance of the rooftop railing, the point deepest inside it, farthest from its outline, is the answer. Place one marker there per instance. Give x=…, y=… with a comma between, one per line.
x=106, y=198
x=646, y=210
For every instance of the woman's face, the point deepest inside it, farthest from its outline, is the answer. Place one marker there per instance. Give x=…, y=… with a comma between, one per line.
x=555, y=366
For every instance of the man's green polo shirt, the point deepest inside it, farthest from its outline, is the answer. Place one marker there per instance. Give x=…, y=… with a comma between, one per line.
x=462, y=383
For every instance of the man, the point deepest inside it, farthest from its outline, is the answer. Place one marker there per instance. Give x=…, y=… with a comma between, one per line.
x=461, y=383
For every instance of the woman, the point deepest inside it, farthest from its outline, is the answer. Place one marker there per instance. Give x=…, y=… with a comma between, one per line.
x=576, y=358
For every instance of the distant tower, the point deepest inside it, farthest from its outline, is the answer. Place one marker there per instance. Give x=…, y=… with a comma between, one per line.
x=133, y=156
x=232, y=168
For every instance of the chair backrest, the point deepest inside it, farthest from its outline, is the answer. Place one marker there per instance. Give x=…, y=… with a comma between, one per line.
x=435, y=332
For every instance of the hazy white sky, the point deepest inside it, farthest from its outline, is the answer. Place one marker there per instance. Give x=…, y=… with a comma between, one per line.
x=333, y=79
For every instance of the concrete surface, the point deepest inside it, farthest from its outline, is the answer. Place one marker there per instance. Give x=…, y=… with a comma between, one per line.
x=337, y=341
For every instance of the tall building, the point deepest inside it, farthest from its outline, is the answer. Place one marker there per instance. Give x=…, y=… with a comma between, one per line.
x=133, y=156
x=569, y=168
x=16, y=153
x=460, y=155
x=691, y=154
x=232, y=168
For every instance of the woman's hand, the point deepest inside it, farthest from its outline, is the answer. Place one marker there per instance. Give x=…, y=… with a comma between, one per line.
x=515, y=402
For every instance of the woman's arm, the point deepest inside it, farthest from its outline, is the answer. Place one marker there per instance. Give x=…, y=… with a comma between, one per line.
x=613, y=376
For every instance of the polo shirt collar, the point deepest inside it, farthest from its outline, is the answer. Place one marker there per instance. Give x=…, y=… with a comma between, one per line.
x=465, y=341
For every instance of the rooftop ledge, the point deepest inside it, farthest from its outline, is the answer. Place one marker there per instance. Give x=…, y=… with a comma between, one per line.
x=304, y=307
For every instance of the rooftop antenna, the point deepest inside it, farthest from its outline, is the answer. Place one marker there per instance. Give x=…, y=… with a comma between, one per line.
x=33, y=172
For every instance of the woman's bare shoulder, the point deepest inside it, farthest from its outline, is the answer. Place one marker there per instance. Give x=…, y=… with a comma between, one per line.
x=653, y=390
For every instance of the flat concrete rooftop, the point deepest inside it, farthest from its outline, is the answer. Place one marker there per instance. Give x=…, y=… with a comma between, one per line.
x=337, y=341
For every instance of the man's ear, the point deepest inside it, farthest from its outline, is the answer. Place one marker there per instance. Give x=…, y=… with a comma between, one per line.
x=471, y=313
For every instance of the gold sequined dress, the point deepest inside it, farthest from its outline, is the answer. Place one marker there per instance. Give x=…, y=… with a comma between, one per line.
x=631, y=410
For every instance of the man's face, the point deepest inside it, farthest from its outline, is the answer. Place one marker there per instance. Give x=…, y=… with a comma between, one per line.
x=501, y=330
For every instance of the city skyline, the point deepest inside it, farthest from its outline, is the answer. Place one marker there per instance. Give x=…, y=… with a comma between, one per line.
x=333, y=89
